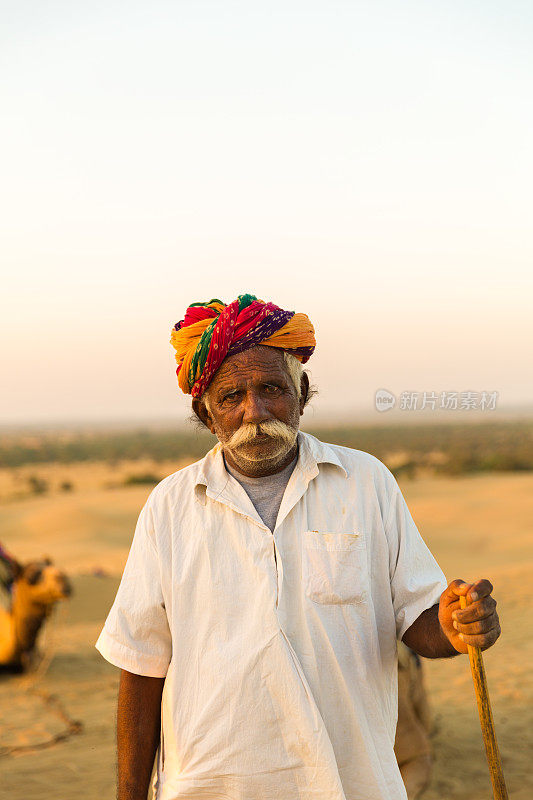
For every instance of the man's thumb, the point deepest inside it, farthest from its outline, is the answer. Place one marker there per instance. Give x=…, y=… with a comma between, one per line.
x=455, y=589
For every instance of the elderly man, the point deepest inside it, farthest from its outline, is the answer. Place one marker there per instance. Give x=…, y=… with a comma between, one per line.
x=256, y=622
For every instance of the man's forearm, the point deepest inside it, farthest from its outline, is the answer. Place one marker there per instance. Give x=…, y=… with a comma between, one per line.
x=138, y=727
x=426, y=637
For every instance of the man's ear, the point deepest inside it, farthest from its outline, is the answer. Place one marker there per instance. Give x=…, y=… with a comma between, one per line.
x=200, y=409
x=304, y=387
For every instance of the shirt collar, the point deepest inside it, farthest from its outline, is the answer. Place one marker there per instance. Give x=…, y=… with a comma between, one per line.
x=214, y=476
x=316, y=452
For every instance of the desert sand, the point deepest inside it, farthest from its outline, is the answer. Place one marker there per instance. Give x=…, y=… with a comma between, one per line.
x=476, y=526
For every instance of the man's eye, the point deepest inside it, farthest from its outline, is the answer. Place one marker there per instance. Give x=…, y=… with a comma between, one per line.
x=271, y=389
x=229, y=397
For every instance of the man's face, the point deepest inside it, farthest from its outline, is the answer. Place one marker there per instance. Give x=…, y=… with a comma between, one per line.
x=253, y=392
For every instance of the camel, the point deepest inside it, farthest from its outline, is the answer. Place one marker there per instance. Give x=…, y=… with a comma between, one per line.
x=35, y=589
x=413, y=746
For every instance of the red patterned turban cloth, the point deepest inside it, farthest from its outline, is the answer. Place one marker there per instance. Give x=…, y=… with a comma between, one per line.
x=211, y=331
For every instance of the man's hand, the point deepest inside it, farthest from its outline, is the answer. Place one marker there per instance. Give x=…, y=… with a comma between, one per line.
x=478, y=624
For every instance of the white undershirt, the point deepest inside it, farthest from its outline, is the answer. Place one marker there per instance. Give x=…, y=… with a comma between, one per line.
x=266, y=493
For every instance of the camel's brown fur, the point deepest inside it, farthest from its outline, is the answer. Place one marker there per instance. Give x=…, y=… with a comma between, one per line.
x=37, y=587
x=413, y=746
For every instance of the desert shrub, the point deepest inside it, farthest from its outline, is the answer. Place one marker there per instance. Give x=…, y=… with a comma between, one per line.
x=407, y=470
x=37, y=485
x=143, y=478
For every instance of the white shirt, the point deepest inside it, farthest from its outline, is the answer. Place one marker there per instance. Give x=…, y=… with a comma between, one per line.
x=281, y=673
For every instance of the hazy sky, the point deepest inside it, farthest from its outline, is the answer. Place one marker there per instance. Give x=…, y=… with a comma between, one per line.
x=369, y=163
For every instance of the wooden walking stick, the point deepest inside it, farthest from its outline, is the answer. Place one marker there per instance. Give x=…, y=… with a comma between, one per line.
x=485, y=717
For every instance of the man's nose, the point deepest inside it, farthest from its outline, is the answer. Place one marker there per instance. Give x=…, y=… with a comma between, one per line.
x=255, y=410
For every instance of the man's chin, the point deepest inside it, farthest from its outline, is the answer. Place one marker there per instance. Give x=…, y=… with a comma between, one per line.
x=262, y=451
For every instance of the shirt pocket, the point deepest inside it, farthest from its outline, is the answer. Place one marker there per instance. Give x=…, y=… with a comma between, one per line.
x=334, y=567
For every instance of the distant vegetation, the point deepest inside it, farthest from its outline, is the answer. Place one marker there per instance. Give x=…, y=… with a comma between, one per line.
x=67, y=448
x=442, y=448
x=144, y=479
x=449, y=449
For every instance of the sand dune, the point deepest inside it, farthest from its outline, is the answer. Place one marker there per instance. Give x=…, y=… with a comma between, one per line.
x=476, y=526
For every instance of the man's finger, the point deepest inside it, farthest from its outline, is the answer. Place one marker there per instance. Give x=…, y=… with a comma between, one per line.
x=480, y=588
x=481, y=640
x=477, y=627
x=472, y=591
x=476, y=611
x=455, y=589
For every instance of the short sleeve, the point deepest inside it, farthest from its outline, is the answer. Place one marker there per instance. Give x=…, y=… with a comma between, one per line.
x=417, y=581
x=136, y=635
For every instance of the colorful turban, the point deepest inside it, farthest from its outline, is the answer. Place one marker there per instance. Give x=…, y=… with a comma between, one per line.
x=211, y=331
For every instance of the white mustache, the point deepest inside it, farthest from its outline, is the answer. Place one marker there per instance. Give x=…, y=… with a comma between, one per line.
x=273, y=427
